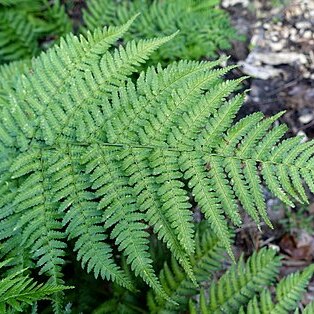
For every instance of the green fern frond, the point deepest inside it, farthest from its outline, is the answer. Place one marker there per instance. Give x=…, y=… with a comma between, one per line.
x=17, y=36
x=245, y=288
x=97, y=153
x=18, y=291
x=53, y=21
x=204, y=28
x=289, y=292
x=9, y=74
x=24, y=23
x=206, y=259
x=70, y=187
x=240, y=283
x=309, y=308
x=18, y=2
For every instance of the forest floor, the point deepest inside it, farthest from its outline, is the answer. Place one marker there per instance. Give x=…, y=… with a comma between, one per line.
x=278, y=55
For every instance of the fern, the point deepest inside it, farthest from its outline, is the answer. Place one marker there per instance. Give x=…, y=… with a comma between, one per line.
x=241, y=283
x=289, y=292
x=17, y=291
x=122, y=301
x=204, y=29
x=25, y=22
x=244, y=289
x=8, y=76
x=90, y=155
x=309, y=308
x=206, y=260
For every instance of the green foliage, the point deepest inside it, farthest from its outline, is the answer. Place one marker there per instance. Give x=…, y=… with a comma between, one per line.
x=206, y=260
x=96, y=154
x=204, y=28
x=24, y=23
x=18, y=290
x=245, y=289
x=309, y=308
x=8, y=76
x=299, y=219
x=122, y=301
x=241, y=283
x=289, y=292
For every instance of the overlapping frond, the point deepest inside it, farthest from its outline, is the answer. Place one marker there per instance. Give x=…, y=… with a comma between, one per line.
x=206, y=259
x=41, y=209
x=24, y=23
x=289, y=292
x=240, y=283
x=245, y=288
x=309, y=308
x=204, y=28
x=18, y=290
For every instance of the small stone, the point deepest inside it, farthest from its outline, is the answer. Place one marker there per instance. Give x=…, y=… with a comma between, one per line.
x=266, y=26
x=274, y=247
x=276, y=58
x=285, y=33
x=230, y=3
x=305, y=138
x=307, y=34
x=277, y=46
x=303, y=24
x=293, y=37
x=306, y=118
x=261, y=72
